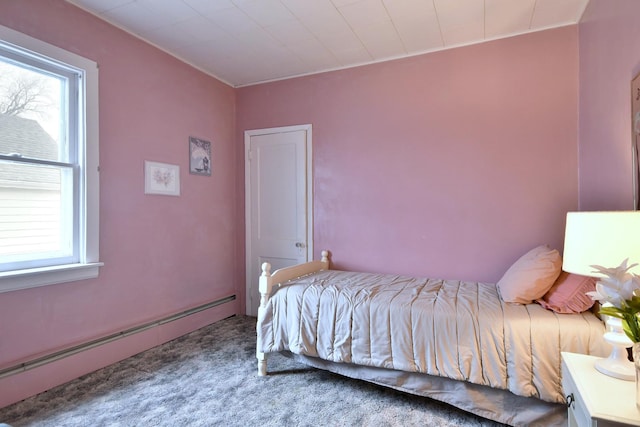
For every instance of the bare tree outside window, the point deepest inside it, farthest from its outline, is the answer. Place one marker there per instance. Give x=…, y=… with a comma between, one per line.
x=31, y=95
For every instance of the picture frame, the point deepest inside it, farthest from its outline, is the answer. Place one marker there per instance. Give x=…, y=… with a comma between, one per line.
x=635, y=138
x=199, y=156
x=161, y=178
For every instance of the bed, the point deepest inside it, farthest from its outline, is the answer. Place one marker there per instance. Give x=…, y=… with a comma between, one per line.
x=454, y=341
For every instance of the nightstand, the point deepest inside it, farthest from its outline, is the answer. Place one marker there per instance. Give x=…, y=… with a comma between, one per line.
x=595, y=399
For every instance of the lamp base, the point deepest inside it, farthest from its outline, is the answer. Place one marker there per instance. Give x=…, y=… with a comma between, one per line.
x=623, y=370
x=617, y=365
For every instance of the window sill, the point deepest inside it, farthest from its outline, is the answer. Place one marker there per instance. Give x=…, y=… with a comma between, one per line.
x=35, y=277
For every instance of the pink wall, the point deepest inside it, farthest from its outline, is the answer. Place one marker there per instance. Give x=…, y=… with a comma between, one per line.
x=162, y=254
x=609, y=59
x=450, y=164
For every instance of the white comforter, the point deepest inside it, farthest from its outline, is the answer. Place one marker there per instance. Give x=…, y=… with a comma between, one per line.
x=459, y=330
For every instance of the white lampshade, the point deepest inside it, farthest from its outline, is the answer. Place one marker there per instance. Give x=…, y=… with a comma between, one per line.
x=601, y=238
x=605, y=239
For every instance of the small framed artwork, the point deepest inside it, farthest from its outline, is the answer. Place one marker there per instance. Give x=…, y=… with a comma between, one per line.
x=635, y=138
x=161, y=178
x=199, y=156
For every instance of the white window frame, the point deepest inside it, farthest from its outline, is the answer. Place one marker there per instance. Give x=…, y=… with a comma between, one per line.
x=89, y=264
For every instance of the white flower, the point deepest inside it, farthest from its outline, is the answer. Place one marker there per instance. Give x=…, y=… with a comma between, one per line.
x=617, y=285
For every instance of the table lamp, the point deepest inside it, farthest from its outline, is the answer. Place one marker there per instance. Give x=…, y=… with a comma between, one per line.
x=605, y=239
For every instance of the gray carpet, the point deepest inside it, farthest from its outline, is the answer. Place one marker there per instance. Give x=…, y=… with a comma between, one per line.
x=208, y=378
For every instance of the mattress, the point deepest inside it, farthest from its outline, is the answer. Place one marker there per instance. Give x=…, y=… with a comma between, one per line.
x=452, y=329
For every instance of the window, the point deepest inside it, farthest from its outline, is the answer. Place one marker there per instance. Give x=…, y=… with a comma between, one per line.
x=48, y=164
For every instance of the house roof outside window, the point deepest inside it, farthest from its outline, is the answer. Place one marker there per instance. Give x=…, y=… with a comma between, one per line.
x=25, y=137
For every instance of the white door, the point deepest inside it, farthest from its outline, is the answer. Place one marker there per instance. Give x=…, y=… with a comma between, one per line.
x=278, y=202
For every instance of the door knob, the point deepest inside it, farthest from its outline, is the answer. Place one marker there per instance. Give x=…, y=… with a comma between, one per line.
x=300, y=245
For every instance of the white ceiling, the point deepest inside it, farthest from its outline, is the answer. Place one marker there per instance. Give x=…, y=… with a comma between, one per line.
x=243, y=42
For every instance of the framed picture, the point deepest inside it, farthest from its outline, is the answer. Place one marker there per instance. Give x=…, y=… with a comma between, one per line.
x=199, y=156
x=635, y=138
x=161, y=178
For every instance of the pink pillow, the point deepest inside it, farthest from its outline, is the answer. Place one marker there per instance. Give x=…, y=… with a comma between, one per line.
x=531, y=276
x=568, y=294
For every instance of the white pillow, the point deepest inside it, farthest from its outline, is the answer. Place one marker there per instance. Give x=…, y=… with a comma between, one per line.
x=531, y=276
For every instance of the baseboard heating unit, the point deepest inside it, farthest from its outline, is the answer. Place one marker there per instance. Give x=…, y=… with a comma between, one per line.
x=34, y=363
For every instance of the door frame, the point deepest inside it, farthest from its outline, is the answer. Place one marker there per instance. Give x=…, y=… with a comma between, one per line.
x=247, y=196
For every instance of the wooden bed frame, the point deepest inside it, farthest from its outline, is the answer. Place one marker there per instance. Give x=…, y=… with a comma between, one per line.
x=491, y=403
x=268, y=281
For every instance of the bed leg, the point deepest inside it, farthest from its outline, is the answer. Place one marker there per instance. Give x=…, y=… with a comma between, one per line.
x=264, y=286
x=262, y=364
